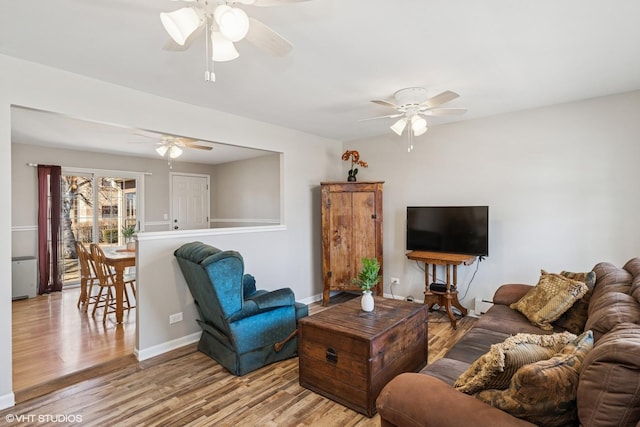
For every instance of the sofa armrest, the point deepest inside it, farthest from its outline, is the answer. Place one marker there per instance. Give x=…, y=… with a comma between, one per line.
x=413, y=399
x=510, y=293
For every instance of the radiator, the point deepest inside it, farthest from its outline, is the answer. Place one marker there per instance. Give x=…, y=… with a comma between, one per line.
x=23, y=277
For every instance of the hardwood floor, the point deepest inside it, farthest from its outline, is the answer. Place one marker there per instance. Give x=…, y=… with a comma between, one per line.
x=53, y=339
x=185, y=387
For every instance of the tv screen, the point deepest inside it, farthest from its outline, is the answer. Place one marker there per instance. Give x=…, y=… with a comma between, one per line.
x=448, y=229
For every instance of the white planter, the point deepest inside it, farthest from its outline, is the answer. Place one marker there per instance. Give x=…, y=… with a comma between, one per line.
x=367, y=302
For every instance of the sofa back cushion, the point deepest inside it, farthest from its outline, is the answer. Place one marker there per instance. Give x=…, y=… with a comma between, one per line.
x=633, y=267
x=610, y=310
x=609, y=386
x=612, y=300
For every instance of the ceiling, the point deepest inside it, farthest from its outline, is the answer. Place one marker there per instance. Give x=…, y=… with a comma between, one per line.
x=499, y=55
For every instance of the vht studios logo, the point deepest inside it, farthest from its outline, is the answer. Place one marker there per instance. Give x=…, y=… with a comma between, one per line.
x=43, y=418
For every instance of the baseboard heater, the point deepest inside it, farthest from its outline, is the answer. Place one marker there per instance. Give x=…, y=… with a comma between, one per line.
x=482, y=305
x=23, y=277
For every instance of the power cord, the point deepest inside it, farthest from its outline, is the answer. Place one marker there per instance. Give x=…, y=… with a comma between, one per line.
x=472, y=277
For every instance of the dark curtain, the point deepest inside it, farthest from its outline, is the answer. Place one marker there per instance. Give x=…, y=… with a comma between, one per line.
x=48, y=228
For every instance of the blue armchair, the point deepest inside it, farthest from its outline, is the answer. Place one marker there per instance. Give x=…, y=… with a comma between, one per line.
x=243, y=328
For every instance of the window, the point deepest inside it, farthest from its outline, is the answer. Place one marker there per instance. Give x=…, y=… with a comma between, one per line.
x=95, y=209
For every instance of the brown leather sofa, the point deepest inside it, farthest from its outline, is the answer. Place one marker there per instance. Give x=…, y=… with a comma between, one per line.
x=608, y=392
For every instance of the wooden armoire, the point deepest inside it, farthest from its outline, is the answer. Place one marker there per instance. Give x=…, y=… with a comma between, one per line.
x=351, y=230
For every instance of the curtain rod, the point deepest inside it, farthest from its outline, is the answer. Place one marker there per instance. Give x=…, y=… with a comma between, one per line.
x=35, y=165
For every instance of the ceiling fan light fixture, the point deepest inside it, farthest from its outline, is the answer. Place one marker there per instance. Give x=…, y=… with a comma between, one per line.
x=181, y=23
x=420, y=131
x=418, y=125
x=162, y=150
x=221, y=48
x=398, y=127
x=233, y=22
x=175, y=151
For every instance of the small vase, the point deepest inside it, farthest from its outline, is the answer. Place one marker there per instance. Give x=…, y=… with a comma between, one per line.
x=367, y=302
x=131, y=245
x=351, y=178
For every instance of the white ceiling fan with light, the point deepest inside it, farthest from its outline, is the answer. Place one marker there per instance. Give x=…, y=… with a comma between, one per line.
x=411, y=104
x=224, y=24
x=173, y=145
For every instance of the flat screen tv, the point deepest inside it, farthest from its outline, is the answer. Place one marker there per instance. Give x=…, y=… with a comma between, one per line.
x=448, y=229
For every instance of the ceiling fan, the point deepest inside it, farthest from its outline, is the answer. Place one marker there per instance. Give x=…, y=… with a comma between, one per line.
x=172, y=145
x=224, y=24
x=411, y=104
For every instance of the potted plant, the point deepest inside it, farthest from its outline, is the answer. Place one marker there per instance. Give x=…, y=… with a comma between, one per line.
x=354, y=157
x=367, y=279
x=128, y=232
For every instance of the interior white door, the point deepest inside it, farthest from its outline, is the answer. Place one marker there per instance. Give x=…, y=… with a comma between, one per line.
x=190, y=201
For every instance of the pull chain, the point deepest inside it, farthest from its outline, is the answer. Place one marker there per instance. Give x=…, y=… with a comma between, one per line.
x=209, y=75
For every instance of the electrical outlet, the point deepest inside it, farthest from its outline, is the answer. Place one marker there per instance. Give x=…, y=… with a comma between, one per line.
x=175, y=318
x=395, y=281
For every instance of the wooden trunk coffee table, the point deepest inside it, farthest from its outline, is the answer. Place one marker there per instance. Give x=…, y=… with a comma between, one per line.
x=348, y=355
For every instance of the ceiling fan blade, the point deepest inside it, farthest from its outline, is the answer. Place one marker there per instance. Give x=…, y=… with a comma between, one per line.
x=385, y=103
x=267, y=3
x=199, y=147
x=438, y=112
x=265, y=38
x=389, y=116
x=440, y=99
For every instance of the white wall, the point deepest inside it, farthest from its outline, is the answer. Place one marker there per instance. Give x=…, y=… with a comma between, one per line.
x=290, y=252
x=561, y=183
x=247, y=190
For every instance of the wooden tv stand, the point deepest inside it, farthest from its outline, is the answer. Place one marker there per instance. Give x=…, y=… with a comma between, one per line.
x=448, y=298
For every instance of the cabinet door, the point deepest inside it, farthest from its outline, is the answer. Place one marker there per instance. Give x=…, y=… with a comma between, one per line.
x=364, y=228
x=340, y=231
x=352, y=235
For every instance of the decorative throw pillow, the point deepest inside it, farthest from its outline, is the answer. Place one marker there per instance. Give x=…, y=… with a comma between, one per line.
x=494, y=369
x=549, y=299
x=544, y=392
x=574, y=319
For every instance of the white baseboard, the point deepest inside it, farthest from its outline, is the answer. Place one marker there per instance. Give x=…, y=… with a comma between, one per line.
x=7, y=401
x=159, y=349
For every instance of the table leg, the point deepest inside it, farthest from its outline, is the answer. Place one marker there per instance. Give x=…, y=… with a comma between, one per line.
x=119, y=292
x=449, y=311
